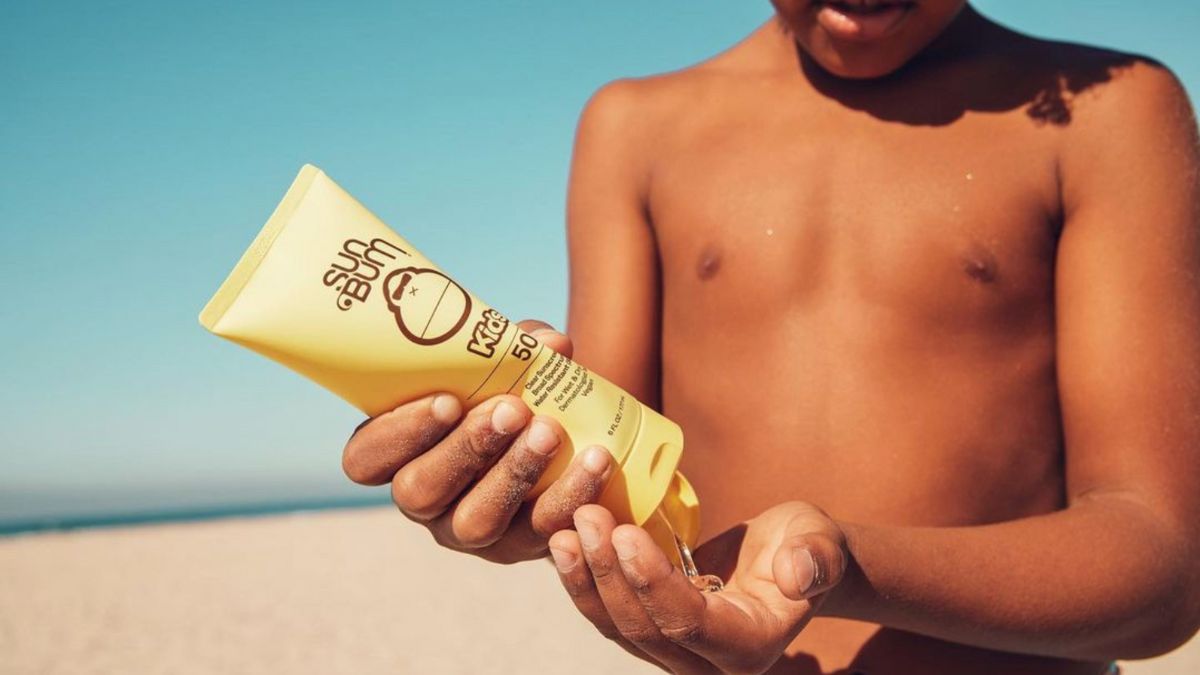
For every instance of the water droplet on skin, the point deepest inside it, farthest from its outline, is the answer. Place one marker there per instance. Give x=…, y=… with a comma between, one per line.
x=770, y=231
x=970, y=176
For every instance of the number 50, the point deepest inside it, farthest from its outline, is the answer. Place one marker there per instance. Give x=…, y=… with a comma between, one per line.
x=524, y=347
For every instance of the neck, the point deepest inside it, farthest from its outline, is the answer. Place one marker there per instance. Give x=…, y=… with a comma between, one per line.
x=962, y=37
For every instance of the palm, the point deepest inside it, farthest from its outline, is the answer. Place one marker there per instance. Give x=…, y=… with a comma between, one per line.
x=744, y=556
x=633, y=594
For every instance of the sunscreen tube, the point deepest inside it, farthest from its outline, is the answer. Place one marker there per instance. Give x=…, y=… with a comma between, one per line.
x=328, y=290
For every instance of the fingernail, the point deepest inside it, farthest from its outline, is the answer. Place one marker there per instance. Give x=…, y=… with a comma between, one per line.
x=805, y=567
x=541, y=438
x=626, y=550
x=544, y=330
x=445, y=409
x=589, y=534
x=506, y=418
x=564, y=561
x=596, y=461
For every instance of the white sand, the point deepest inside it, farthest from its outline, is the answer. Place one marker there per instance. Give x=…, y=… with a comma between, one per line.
x=308, y=593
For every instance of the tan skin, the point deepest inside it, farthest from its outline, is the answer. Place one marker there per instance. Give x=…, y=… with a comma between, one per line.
x=928, y=312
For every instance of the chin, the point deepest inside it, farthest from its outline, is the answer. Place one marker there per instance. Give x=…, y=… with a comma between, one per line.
x=857, y=70
x=865, y=39
x=850, y=66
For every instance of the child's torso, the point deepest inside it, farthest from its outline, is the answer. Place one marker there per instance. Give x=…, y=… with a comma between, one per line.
x=859, y=313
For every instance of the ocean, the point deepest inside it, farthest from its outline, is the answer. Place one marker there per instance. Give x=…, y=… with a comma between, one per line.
x=38, y=508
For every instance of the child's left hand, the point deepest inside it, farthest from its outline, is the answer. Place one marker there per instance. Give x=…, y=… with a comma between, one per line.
x=626, y=586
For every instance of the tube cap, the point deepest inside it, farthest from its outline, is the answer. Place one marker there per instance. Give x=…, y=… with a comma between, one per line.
x=677, y=516
x=648, y=491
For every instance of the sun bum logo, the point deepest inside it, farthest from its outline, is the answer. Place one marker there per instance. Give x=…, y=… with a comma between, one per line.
x=428, y=306
x=356, y=267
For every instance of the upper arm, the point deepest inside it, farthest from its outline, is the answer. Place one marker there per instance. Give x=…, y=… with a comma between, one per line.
x=614, y=294
x=1128, y=297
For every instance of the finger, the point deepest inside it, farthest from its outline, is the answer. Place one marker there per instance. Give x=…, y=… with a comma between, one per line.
x=378, y=448
x=546, y=334
x=581, y=483
x=483, y=515
x=811, y=560
x=733, y=636
x=428, y=484
x=576, y=578
x=595, y=526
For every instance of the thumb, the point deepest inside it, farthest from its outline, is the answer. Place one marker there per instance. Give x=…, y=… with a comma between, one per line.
x=811, y=559
x=548, y=336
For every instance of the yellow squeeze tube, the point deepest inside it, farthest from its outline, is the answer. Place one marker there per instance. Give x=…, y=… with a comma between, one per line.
x=328, y=290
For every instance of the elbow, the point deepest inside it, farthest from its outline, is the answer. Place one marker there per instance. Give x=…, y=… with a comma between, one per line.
x=1169, y=633
x=1153, y=598
x=1168, y=620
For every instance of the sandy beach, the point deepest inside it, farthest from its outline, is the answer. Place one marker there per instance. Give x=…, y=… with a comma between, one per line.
x=354, y=591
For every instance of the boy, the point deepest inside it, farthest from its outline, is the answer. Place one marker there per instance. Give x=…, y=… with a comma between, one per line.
x=922, y=293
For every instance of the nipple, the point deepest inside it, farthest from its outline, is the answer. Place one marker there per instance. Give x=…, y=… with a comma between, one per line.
x=709, y=263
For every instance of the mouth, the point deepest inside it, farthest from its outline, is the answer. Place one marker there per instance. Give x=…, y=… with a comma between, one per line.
x=862, y=20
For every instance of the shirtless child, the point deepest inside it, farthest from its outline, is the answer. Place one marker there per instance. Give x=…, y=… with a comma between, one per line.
x=924, y=295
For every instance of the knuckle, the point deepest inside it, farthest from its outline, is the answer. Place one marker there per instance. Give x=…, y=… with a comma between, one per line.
x=411, y=498
x=474, y=530
x=545, y=527
x=639, y=583
x=410, y=426
x=608, y=630
x=603, y=572
x=578, y=588
x=480, y=444
x=747, y=664
x=523, y=471
x=686, y=634
x=642, y=634
x=355, y=464
x=352, y=467
x=554, y=510
x=444, y=538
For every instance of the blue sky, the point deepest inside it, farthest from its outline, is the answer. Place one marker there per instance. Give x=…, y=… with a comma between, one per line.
x=142, y=145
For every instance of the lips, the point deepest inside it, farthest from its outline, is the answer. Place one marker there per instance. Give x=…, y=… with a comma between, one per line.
x=862, y=20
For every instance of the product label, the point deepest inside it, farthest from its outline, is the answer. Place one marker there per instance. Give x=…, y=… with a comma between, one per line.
x=356, y=267
x=487, y=333
x=561, y=381
x=429, y=308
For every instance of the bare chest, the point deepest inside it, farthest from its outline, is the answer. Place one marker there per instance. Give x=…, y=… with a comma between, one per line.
x=950, y=225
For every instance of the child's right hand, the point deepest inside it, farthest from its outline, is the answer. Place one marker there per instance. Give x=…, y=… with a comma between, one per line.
x=467, y=479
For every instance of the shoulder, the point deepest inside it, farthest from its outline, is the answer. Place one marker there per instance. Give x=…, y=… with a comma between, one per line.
x=647, y=103
x=632, y=123
x=1130, y=129
x=1124, y=104
x=654, y=106
x=1112, y=87
x=1092, y=85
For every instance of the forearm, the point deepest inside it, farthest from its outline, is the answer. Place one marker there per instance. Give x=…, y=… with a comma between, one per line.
x=1097, y=581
